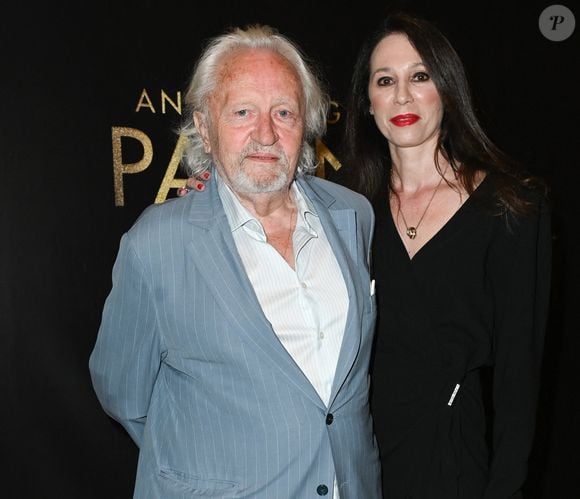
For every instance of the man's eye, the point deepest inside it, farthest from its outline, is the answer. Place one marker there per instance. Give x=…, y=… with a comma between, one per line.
x=242, y=112
x=284, y=113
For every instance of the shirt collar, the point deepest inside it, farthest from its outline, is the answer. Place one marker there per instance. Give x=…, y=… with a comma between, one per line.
x=236, y=212
x=238, y=215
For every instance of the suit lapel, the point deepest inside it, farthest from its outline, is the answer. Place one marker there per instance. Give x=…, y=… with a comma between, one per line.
x=214, y=256
x=340, y=229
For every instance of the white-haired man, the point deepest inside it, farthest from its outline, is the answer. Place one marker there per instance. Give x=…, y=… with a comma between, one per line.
x=235, y=343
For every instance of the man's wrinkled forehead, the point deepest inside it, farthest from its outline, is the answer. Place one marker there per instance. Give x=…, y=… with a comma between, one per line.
x=239, y=66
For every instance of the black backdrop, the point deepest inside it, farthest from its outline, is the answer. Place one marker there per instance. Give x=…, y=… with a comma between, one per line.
x=72, y=73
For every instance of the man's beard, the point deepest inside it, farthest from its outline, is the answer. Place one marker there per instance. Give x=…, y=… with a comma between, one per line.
x=273, y=179
x=244, y=183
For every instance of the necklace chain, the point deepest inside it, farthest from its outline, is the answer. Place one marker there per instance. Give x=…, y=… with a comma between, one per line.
x=411, y=231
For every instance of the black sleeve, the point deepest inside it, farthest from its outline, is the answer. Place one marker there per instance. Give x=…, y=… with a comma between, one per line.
x=519, y=276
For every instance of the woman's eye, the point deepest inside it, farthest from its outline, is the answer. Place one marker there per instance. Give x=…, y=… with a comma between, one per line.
x=383, y=81
x=421, y=76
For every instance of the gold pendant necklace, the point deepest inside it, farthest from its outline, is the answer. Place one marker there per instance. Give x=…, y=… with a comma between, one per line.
x=411, y=231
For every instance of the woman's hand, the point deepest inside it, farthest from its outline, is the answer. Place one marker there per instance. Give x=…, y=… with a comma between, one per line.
x=195, y=183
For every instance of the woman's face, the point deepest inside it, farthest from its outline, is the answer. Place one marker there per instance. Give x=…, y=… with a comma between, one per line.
x=404, y=101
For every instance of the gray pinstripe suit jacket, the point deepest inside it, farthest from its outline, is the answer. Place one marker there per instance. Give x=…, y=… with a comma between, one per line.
x=187, y=362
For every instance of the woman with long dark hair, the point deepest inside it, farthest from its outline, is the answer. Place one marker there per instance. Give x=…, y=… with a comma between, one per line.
x=462, y=268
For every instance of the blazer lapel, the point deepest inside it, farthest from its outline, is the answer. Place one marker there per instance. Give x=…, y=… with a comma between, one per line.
x=340, y=229
x=214, y=256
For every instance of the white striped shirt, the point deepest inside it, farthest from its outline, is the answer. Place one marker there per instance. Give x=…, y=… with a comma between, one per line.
x=307, y=307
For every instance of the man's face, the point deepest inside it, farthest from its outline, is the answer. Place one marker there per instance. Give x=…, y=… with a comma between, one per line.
x=256, y=124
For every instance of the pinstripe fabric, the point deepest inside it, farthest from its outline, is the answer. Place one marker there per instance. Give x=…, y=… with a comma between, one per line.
x=307, y=306
x=186, y=360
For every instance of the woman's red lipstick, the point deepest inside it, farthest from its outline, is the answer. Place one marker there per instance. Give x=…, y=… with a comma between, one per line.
x=405, y=119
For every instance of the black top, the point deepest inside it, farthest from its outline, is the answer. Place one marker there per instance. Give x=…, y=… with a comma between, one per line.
x=468, y=310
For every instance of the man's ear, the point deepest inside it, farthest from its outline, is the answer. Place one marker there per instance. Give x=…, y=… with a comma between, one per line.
x=200, y=122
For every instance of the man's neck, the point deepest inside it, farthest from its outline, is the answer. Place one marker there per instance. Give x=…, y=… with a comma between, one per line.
x=266, y=204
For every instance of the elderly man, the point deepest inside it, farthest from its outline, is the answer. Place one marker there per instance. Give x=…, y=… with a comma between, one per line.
x=234, y=345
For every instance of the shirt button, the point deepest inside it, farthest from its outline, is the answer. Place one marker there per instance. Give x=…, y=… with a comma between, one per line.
x=304, y=285
x=329, y=418
x=322, y=490
x=321, y=335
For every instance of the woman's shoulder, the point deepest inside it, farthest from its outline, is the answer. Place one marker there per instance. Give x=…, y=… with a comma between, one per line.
x=512, y=196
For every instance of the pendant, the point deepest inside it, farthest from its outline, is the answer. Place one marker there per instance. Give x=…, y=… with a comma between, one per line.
x=412, y=232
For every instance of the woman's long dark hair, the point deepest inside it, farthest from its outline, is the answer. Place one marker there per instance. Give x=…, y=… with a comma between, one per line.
x=462, y=140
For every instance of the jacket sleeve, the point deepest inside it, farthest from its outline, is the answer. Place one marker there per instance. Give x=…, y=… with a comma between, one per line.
x=520, y=280
x=126, y=358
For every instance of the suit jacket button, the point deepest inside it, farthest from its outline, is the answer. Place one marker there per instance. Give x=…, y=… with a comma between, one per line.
x=322, y=490
x=329, y=418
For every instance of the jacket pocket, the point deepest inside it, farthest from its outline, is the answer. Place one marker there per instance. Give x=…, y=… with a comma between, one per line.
x=207, y=487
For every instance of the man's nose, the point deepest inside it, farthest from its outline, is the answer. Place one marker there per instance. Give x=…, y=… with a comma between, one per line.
x=265, y=131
